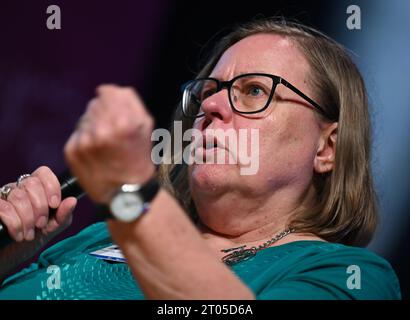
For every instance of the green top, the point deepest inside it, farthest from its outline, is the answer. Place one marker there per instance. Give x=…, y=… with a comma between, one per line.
x=296, y=270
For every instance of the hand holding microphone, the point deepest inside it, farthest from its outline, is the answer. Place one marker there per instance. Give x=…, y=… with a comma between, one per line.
x=29, y=206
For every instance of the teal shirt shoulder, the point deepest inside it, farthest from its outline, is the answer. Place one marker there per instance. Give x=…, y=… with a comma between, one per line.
x=297, y=270
x=316, y=270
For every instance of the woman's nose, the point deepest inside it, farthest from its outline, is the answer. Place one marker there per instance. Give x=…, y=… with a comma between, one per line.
x=217, y=106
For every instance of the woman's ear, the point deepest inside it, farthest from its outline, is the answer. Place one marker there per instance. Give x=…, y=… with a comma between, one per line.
x=326, y=152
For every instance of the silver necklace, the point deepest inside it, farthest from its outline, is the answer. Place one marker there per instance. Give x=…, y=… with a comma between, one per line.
x=239, y=254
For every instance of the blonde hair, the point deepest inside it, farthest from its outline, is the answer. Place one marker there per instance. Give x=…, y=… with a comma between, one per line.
x=345, y=208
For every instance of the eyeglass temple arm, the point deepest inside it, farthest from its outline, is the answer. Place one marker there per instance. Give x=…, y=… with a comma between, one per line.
x=300, y=93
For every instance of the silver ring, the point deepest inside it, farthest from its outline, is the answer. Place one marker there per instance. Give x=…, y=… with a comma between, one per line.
x=21, y=178
x=5, y=191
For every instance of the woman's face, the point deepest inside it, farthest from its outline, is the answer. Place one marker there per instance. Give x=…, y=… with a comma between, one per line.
x=289, y=129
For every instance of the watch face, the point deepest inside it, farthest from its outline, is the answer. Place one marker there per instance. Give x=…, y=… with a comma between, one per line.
x=127, y=207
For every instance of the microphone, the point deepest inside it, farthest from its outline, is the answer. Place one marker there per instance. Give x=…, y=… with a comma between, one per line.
x=69, y=188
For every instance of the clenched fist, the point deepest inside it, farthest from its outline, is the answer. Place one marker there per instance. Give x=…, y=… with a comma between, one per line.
x=112, y=143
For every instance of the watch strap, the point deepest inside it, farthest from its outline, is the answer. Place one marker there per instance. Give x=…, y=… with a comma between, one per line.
x=150, y=189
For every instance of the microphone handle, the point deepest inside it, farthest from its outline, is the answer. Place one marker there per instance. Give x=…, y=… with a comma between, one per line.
x=69, y=188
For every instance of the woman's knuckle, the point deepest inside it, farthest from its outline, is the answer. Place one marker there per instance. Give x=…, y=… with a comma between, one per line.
x=82, y=145
x=43, y=170
x=17, y=195
x=128, y=91
x=103, y=136
x=92, y=104
x=32, y=183
x=7, y=208
x=69, y=149
x=120, y=125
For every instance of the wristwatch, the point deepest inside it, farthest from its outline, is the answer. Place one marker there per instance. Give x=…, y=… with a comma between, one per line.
x=131, y=201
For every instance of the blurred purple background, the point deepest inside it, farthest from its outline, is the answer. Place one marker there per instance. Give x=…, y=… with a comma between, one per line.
x=48, y=76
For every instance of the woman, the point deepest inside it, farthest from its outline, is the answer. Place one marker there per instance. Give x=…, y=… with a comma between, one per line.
x=286, y=232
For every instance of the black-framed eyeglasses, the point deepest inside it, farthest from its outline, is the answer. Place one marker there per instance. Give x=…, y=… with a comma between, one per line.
x=248, y=93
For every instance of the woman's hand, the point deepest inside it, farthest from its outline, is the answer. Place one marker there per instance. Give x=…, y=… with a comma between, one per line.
x=112, y=143
x=26, y=210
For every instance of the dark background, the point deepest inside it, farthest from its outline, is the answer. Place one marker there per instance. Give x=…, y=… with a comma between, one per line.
x=47, y=77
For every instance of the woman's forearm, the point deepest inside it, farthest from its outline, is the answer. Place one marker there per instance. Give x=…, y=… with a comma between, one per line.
x=169, y=258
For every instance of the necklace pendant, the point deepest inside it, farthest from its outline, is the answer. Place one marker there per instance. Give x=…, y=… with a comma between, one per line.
x=238, y=256
x=233, y=249
x=241, y=254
